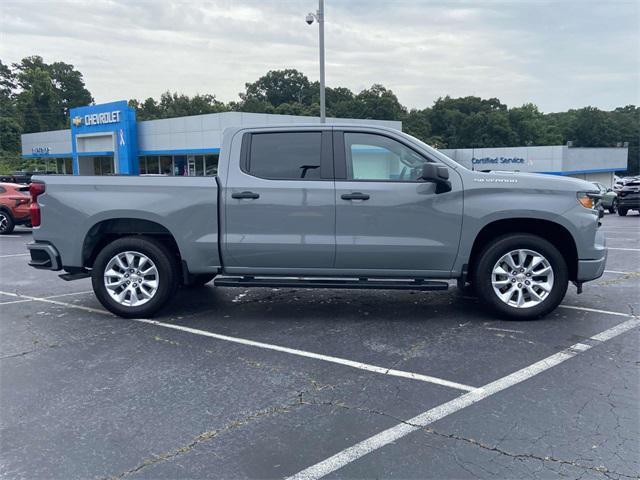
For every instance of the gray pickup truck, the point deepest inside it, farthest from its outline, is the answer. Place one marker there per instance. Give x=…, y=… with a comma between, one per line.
x=322, y=206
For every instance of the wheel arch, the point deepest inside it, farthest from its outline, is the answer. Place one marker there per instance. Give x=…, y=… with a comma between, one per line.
x=106, y=231
x=7, y=210
x=551, y=231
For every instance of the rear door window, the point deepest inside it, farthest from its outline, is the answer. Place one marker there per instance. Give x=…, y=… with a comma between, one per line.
x=285, y=156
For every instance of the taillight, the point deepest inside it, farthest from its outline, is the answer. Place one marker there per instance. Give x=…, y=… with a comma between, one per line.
x=35, y=189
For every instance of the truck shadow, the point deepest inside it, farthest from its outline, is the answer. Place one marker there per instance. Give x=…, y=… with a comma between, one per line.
x=299, y=305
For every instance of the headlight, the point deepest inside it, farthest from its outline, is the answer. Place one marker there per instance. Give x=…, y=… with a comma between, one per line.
x=587, y=200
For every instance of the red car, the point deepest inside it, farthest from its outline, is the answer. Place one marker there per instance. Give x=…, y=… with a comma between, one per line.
x=14, y=206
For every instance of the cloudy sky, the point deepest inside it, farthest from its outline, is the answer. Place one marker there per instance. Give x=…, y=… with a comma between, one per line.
x=559, y=55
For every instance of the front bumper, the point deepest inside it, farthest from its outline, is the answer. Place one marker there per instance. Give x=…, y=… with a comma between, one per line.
x=44, y=256
x=629, y=202
x=594, y=268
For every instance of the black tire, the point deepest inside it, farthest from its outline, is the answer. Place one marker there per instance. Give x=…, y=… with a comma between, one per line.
x=6, y=223
x=199, y=280
x=165, y=262
x=614, y=206
x=500, y=247
x=622, y=211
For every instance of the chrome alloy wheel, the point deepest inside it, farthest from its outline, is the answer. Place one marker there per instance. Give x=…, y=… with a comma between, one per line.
x=4, y=222
x=522, y=278
x=131, y=278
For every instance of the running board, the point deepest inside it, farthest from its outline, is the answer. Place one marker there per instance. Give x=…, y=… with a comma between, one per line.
x=363, y=283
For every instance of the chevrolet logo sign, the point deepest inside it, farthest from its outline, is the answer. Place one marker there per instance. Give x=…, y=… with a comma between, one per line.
x=77, y=121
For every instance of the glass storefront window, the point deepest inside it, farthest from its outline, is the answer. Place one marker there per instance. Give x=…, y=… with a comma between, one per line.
x=211, y=165
x=58, y=165
x=103, y=165
x=199, y=166
x=166, y=164
x=142, y=164
x=179, y=165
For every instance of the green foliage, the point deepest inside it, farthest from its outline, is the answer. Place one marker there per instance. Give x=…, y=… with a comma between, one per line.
x=35, y=97
x=278, y=87
x=176, y=105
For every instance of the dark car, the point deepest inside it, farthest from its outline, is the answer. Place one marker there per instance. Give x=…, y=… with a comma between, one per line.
x=629, y=197
x=14, y=206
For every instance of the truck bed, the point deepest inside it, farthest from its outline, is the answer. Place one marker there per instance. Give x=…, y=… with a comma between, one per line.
x=76, y=208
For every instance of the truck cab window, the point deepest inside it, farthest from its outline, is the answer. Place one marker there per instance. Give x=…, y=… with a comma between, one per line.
x=285, y=156
x=375, y=157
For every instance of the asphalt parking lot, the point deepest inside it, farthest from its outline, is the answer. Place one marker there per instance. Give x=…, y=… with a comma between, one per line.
x=267, y=383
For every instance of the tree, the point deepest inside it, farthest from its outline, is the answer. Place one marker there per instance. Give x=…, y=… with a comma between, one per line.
x=70, y=87
x=626, y=123
x=593, y=128
x=278, y=87
x=378, y=103
x=417, y=123
x=46, y=93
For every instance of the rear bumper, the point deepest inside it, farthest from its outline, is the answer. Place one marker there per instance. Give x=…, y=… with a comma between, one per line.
x=594, y=268
x=44, y=256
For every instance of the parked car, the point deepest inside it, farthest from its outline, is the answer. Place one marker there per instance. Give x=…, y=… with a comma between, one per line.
x=621, y=182
x=608, y=198
x=322, y=206
x=14, y=206
x=629, y=197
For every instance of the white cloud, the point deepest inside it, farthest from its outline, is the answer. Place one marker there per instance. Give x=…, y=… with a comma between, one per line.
x=557, y=54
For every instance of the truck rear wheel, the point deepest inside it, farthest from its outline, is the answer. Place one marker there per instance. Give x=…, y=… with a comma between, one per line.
x=521, y=276
x=134, y=277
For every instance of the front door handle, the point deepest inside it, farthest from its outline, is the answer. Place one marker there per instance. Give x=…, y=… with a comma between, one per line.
x=245, y=195
x=355, y=196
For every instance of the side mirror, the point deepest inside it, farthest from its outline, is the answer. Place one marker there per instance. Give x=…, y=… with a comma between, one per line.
x=439, y=175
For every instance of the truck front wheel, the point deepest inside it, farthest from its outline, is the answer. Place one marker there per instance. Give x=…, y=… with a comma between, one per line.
x=521, y=276
x=134, y=277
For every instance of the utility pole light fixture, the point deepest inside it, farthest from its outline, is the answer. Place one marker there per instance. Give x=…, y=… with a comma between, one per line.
x=319, y=17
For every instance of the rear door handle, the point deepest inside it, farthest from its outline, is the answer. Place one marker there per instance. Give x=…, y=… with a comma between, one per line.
x=355, y=196
x=245, y=195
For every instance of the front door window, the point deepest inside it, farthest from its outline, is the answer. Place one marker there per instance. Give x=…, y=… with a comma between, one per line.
x=374, y=157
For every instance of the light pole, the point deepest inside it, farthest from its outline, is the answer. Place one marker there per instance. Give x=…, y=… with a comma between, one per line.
x=319, y=17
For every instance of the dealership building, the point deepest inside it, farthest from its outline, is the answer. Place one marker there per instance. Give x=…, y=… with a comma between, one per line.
x=592, y=164
x=106, y=139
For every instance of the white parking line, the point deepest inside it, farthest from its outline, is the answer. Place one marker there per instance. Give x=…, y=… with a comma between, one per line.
x=15, y=255
x=55, y=302
x=278, y=348
x=625, y=249
x=595, y=310
x=316, y=356
x=621, y=273
x=418, y=422
x=44, y=298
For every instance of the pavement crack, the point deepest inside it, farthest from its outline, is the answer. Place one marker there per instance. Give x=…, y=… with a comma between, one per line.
x=526, y=456
x=520, y=456
x=208, y=435
x=29, y=352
